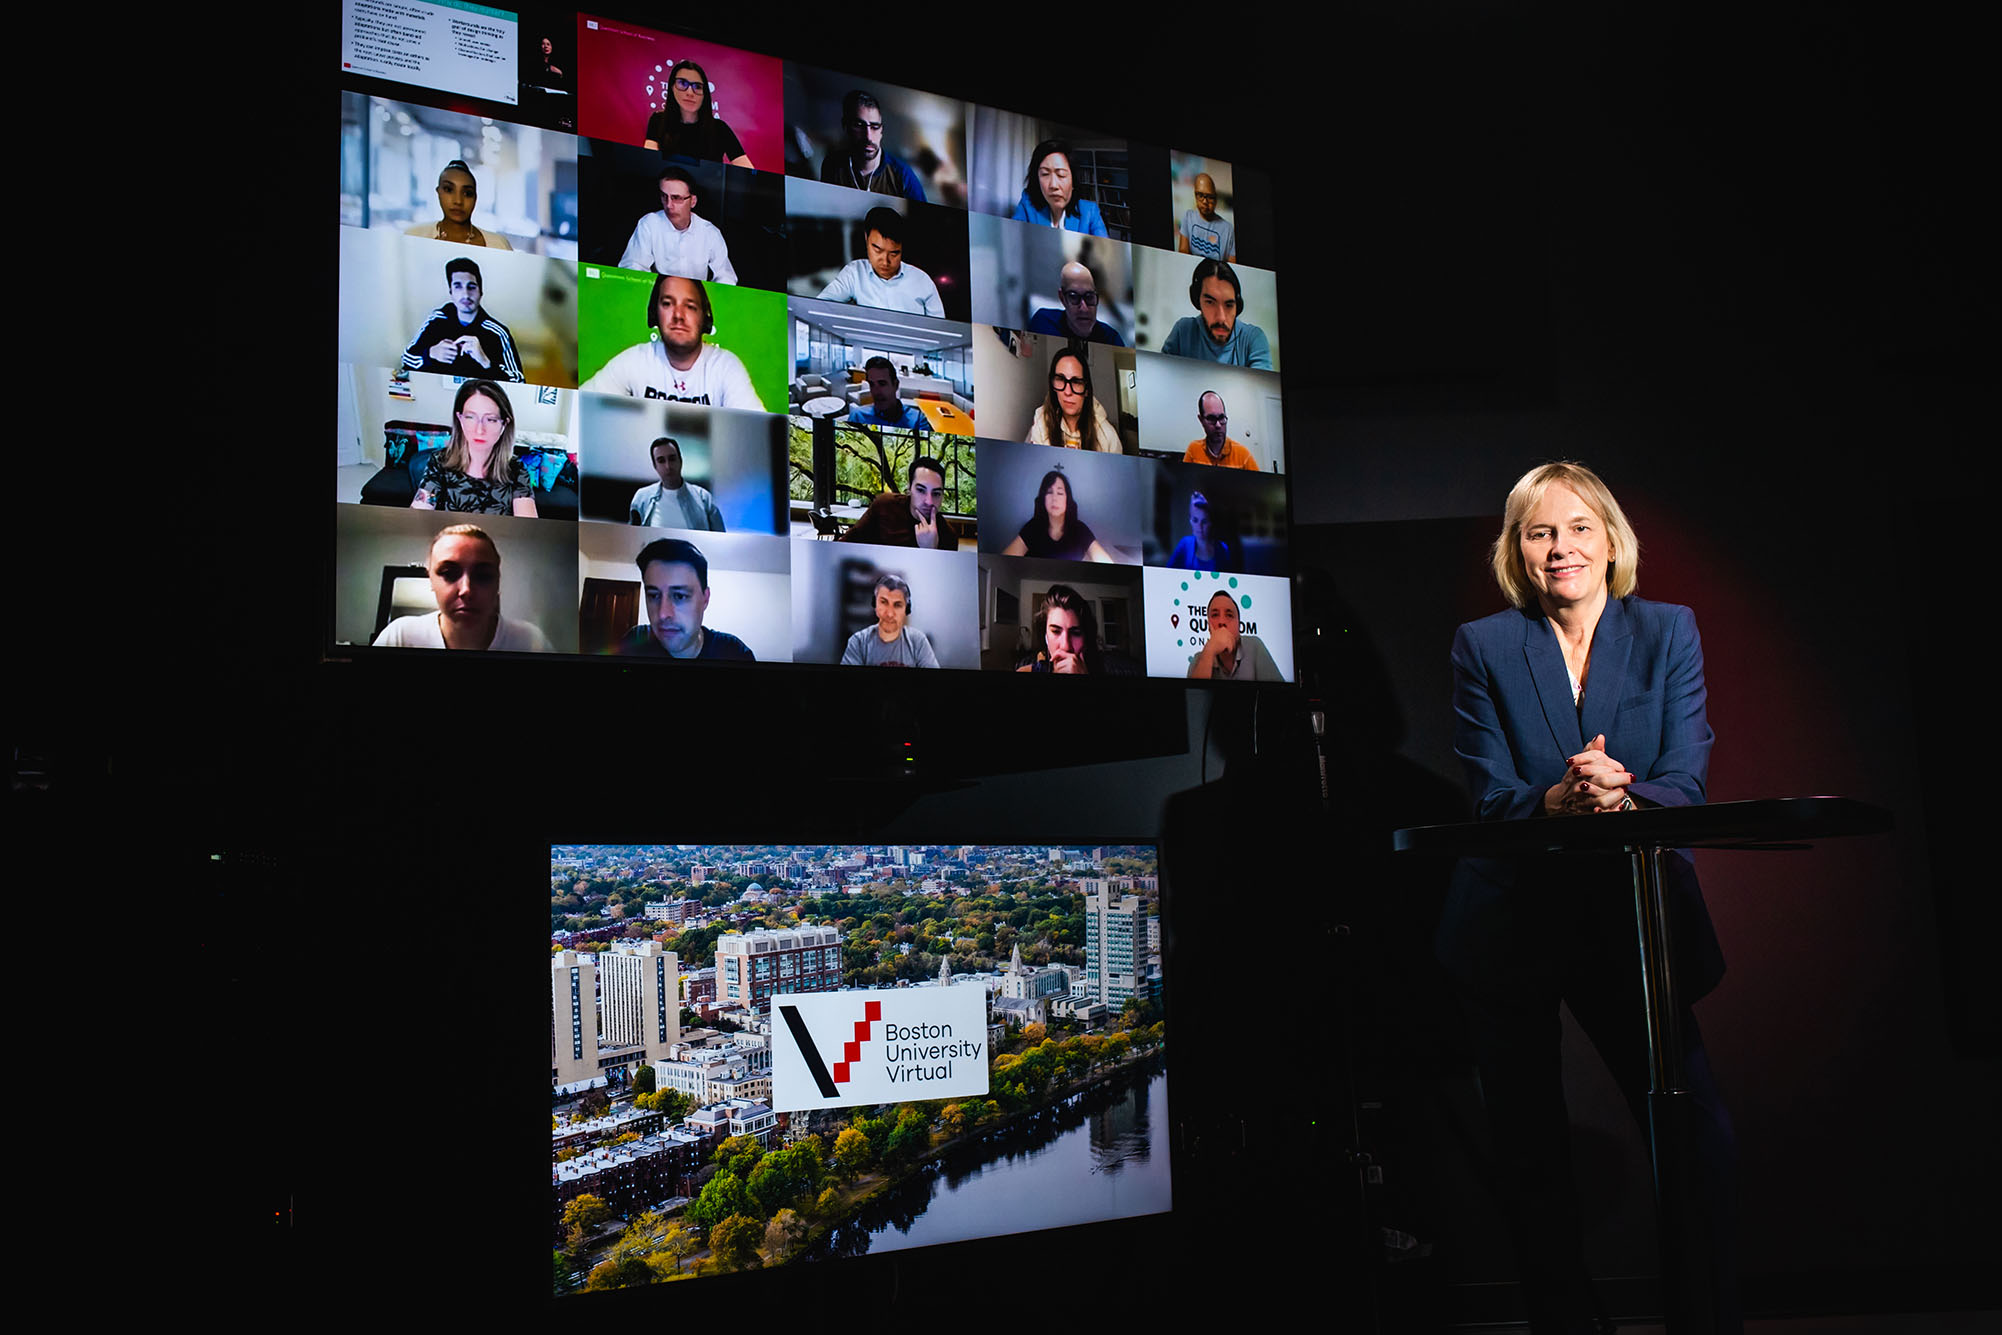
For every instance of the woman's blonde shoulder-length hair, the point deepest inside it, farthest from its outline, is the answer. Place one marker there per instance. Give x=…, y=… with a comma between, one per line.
x=458, y=453
x=1623, y=572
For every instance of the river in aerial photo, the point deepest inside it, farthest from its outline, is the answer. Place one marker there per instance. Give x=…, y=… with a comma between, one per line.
x=1103, y=1155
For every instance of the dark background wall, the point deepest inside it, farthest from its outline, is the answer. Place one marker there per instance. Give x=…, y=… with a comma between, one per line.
x=1727, y=261
x=1722, y=260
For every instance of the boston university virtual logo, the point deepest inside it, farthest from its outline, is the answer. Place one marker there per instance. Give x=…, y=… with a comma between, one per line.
x=838, y=1049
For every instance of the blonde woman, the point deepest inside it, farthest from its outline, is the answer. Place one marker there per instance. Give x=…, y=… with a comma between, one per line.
x=477, y=473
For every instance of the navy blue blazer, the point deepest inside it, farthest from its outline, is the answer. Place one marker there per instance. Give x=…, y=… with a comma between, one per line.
x=1514, y=728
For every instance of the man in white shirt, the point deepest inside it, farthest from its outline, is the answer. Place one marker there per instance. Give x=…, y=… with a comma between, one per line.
x=672, y=503
x=676, y=364
x=675, y=240
x=882, y=279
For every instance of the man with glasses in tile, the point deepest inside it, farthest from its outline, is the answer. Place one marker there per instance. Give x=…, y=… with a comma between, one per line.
x=1216, y=448
x=1204, y=231
x=1078, y=320
x=675, y=240
x=860, y=162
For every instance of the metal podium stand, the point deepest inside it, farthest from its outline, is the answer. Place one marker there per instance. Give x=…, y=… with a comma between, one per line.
x=1689, y=1288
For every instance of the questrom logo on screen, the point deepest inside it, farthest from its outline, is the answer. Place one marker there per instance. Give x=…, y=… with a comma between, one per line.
x=840, y=1049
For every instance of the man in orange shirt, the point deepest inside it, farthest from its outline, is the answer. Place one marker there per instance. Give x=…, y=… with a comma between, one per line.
x=1216, y=447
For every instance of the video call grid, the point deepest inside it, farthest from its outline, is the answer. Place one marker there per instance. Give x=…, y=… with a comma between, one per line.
x=1145, y=469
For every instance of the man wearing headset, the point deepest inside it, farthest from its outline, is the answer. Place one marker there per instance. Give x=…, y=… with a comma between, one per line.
x=892, y=641
x=676, y=364
x=1218, y=333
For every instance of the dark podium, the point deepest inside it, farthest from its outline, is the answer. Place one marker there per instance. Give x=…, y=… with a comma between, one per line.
x=1689, y=1288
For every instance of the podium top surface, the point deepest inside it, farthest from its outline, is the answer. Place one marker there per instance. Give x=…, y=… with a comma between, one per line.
x=1768, y=822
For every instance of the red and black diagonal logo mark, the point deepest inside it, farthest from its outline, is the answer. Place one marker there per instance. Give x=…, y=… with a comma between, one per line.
x=851, y=1051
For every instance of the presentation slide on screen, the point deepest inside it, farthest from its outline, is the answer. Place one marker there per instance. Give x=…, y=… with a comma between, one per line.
x=821, y=1084
x=460, y=48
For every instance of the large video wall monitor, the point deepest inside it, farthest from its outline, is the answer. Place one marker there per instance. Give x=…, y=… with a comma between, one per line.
x=663, y=349
x=763, y=1055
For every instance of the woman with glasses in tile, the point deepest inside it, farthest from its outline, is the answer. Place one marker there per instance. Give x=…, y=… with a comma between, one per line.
x=687, y=127
x=477, y=472
x=1070, y=415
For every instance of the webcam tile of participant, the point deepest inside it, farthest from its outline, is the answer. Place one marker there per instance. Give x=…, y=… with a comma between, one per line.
x=1029, y=391
x=875, y=137
x=876, y=250
x=547, y=66
x=1098, y=622
x=641, y=211
x=846, y=358
x=748, y=598
x=1255, y=613
x=933, y=619
x=1204, y=309
x=392, y=424
x=1203, y=207
x=1051, y=282
x=384, y=573
x=1072, y=505
x=430, y=306
x=1204, y=413
x=1220, y=520
x=661, y=337
x=882, y=488
x=681, y=466
x=1243, y=199
x=457, y=177
x=1038, y=171
x=679, y=95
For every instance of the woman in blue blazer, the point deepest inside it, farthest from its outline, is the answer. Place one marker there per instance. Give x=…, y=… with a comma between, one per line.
x=1050, y=191
x=1581, y=698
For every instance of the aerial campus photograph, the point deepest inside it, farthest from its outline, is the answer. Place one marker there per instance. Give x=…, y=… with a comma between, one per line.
x=676, y=969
